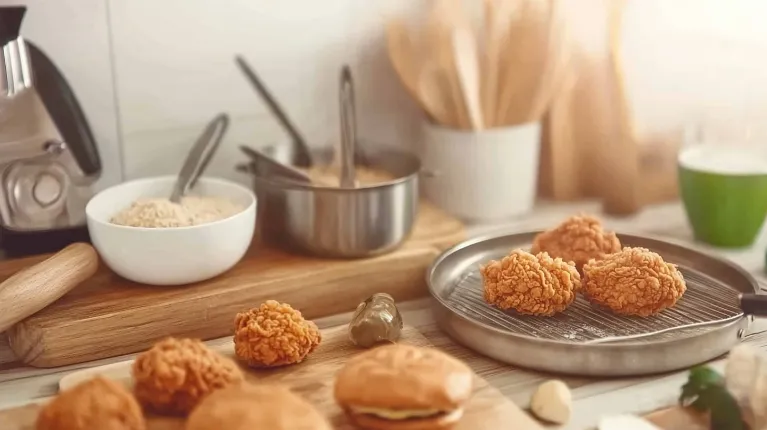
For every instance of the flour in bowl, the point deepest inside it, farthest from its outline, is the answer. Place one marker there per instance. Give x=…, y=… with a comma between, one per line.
x=162, y=213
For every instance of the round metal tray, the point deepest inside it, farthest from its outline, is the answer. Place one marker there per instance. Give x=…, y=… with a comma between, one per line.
x=585, y=340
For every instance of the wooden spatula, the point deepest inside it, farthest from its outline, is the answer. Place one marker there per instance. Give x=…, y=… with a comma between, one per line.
x=467, y=66
x=433, y=93
x=34, y=288
x=444, y=16
x=556, y=62
x=497, y=15
x=523, y=61
x=401, y=50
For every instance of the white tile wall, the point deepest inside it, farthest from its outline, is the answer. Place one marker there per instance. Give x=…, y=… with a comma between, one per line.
x=179, y=71
x=173, y=68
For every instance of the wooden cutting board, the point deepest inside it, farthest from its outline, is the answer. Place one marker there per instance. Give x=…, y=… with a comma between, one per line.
x=487, y=410
x=677, y=418
x=108, y=316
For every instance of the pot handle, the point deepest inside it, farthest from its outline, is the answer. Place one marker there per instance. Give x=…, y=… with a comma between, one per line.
x=246, y=168
x=428, y=174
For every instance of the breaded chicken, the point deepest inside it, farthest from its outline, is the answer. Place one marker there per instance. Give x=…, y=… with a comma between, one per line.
x=176, y=374
x=634, y=281
x=96, y=404
x=274, y=334
x=578, y=239
x=530, y=284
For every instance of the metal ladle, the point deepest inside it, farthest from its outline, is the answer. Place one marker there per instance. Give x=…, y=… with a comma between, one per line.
x=269, y=167
x=348, y=128
x=200, y=155
x=302, y=156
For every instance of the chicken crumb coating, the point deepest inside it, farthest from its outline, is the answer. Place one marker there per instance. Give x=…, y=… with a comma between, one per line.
x=579, y=239
x=174, y=375
x=274, y=334
x=99, y=403
x=634, y=281
x=530, y=284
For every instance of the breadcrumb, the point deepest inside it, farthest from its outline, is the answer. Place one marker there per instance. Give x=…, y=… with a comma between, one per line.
x=578, y=239
x=162, y=213
x=274, y=334
x=176, y=374
x=98, y=403
x=634, y=281
x=530, y=284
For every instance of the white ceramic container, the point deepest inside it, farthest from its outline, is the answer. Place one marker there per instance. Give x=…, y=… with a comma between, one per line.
x=481, y=176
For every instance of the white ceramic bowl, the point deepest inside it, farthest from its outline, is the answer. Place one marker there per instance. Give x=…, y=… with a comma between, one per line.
x=170, y=256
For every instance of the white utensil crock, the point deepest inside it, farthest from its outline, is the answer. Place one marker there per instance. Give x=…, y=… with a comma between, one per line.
x=484, y=175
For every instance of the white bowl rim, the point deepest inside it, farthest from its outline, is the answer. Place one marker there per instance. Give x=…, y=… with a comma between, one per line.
x=248, y=192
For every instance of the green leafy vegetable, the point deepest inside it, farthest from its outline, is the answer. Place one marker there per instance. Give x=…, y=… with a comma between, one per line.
x=705, y=391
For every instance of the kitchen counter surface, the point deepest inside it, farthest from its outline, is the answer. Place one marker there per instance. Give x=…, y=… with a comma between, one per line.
x=593, y=397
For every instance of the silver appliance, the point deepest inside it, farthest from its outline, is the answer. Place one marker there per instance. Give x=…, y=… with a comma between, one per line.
x=48, y=156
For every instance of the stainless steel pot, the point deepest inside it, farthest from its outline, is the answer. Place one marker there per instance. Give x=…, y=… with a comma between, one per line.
x=341, y=222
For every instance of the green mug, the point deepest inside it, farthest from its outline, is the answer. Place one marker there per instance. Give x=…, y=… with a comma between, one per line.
x=724, y=193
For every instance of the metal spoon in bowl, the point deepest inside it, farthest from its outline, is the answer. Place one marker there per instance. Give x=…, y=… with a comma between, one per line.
x=348, y=129
x=200, y=155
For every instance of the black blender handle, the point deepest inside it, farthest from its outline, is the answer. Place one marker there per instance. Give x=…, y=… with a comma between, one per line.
x=65, y=111
x=754, y=304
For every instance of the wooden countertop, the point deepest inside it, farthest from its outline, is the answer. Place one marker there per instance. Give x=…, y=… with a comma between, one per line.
x=593, y=397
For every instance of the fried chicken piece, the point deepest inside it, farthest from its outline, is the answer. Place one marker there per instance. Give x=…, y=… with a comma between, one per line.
x=579, y=239
x=274, y=334
x=634, y=281
x=530, y=284
x=96, y=404
x=176, y=374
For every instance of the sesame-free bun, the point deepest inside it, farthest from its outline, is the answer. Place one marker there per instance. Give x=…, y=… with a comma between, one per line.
x=98, y=403
x=249, y=407
x=403, y=377
x=439, y=422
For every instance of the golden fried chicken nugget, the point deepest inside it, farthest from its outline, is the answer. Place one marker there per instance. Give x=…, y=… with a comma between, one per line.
x=274, y=334
x=96, y=404
x=176, y=374
x=578, y=239
x=634, y=281
x=530, y=284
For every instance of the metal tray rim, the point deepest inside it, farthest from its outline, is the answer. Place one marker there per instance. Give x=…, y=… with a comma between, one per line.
x=599, y=346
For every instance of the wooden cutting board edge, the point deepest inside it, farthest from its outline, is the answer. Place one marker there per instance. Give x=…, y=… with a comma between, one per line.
x=42, y=342
x=486, y=397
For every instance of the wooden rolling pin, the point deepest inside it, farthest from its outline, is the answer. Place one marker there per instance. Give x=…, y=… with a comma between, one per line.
x=36, y=287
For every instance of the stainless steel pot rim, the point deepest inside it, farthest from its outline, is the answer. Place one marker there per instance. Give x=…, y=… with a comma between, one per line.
x=414, y=172
x=335, y=190
x=598, y=346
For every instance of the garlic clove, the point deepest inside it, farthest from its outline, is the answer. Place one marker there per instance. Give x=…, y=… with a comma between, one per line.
x=552, y=402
